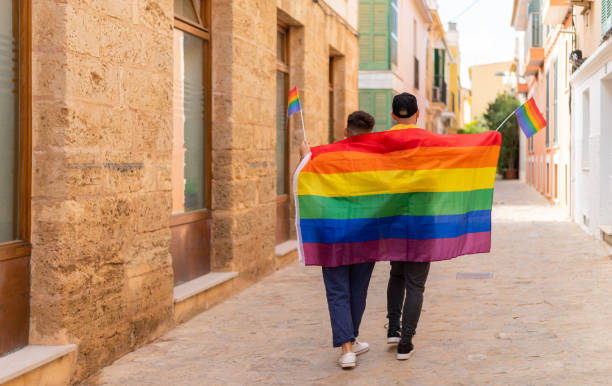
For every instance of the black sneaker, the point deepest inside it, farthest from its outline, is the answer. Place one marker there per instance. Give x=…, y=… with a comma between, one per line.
x=405, y=349
x=393, y=336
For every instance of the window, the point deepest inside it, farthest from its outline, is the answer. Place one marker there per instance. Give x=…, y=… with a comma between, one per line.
x=330, y=119
x=555, y=182
x=374, y=35
x=282, y=137
x=555, y=104
x=393, y=32
x=547, y=179
x=586, y=128
x=566, y=198
x=415, y=51
x=15, y=174
x=416, y=73
x=439, y=91
x=378, y=103
x=9, y=122
x=191, y=141
x=606, y=16
x=191, y=161
x=547, y=108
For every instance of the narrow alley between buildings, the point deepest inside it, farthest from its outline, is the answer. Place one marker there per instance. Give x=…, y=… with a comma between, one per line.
x=537, y=310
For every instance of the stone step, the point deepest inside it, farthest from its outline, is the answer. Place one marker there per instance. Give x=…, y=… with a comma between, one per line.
x=606, y=233
x=201, y=293
x=38, y=365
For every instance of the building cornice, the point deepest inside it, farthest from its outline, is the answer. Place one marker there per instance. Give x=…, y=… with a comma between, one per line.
x=424, y=9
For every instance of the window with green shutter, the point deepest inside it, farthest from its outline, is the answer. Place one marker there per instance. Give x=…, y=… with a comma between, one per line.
x=378, y=103
x=555, y=104
x=374, y=35
x=606, y=16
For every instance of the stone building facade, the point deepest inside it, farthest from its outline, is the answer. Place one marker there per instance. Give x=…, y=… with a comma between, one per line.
x=115, y=257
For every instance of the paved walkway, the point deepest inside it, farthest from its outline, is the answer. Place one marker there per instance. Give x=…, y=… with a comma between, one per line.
x=545, y=318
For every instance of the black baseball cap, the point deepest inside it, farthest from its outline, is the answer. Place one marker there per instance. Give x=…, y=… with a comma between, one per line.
x=405, y=105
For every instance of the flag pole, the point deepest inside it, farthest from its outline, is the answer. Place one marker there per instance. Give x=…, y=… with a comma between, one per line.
x=303, y=127
x=505, y=120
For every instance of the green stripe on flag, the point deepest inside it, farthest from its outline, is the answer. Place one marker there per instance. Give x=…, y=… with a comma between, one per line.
x=399, y=204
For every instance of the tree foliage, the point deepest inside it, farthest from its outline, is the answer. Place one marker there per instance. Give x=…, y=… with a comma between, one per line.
x=497, y=111
x=476, y=126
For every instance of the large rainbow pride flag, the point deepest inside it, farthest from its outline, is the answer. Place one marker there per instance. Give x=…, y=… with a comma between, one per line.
x=401, y=195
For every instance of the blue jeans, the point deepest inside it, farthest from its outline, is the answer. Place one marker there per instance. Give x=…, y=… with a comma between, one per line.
x=346, y=288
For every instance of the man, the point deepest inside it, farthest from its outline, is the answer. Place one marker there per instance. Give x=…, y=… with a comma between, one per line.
x=407, y=279
x=346, y=286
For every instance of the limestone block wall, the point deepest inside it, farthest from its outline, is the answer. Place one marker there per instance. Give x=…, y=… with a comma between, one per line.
x=101, y=270
x=102, y=154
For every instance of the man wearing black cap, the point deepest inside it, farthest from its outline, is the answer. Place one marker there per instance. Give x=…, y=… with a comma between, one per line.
x=407, y=279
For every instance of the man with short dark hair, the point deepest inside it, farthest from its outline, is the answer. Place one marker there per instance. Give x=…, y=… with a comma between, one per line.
x=407, y=279
x=346, y=286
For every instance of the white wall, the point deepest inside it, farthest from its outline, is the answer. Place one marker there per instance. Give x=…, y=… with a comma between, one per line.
x=592, y=141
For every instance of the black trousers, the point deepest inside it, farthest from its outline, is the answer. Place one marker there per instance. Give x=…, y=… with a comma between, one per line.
x=407, y=280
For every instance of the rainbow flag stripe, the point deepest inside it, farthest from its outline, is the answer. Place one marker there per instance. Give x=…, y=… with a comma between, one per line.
x=294, y=102
x=530, y=119
x=402, y=195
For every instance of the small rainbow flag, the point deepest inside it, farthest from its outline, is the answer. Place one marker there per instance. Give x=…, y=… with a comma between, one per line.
x=400, y=195
x=294, y=102
x=529, y=118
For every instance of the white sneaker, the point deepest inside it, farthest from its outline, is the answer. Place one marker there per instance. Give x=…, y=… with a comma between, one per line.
x=360, y=347
x=348, y=360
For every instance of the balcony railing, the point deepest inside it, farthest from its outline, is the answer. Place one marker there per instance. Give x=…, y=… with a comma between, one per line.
x=439, y=89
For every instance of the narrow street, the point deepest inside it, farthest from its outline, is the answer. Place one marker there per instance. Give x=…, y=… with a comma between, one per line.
x=543, y=318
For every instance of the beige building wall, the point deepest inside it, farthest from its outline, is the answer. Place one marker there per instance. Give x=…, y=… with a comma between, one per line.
x=588, y=29
x=102, y=274
x=486, y=85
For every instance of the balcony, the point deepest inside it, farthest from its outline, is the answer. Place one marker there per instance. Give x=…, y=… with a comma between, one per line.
x=522, y=88
x=439, y=90
x=555, y=11
x=535, y=57
x=530, y=70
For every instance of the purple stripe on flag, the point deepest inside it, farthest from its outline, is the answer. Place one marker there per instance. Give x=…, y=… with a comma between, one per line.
x=294, y=107
x=527, y=129
x=337, y=254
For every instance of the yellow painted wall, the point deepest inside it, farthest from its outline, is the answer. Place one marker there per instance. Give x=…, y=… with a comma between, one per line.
x=486, y=85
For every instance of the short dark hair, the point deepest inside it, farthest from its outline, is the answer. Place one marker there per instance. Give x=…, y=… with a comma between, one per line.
x=405, y=105
x=360, y=121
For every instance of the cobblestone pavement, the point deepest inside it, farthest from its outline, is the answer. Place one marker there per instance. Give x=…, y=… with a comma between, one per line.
x=544, y=318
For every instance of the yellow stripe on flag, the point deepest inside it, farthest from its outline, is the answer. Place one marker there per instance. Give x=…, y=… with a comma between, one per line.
x=395, y=181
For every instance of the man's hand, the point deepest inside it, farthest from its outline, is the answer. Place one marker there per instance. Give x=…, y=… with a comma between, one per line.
x=304, y=149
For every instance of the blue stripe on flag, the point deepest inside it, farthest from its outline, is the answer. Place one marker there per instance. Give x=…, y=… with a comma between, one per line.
x=395, y=227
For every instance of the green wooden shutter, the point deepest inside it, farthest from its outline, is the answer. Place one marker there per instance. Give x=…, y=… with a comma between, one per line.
x=365, y=31
x=374, y=34
x=606, y=16
x=382, y=110
x=365, y=101
x=378, y=103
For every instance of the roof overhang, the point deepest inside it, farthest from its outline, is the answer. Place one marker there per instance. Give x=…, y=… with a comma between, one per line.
x=555, y=11
x=424, y=10
x=519, y=15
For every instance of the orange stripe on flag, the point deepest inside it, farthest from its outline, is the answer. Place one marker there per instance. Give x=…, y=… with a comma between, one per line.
x=421, y=158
